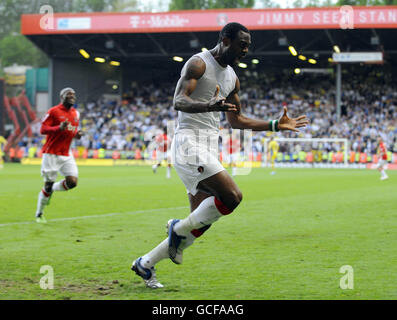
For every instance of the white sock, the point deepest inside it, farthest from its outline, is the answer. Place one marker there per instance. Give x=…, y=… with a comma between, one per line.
x=206, y=213
x=189, y=240
x=60, y=186
x=234, y=170
x=168, y=172
x=161, y=252
x=41, y=202
x=157, y=254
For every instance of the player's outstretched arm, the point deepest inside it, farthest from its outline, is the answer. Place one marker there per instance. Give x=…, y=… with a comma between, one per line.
x=238, y=121
x=195, y=69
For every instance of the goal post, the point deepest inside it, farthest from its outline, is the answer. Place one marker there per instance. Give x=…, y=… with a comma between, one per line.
x=308, y=140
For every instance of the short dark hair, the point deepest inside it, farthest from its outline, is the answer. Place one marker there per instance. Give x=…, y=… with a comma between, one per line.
x=231, y=30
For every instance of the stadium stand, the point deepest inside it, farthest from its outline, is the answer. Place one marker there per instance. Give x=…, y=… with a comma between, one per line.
x=370, y=110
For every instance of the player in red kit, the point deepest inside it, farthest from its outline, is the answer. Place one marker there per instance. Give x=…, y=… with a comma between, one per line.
x=163, y=143
x=232, y=148
x=382, y=162
x=60, y=124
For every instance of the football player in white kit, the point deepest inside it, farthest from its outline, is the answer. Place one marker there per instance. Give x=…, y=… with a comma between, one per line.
x=208, y=85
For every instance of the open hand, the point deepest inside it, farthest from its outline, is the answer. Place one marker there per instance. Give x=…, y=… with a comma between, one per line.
x=217, y=103
x=285, y=123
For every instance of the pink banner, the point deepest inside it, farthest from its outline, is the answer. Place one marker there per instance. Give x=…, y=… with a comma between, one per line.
x=212, y=20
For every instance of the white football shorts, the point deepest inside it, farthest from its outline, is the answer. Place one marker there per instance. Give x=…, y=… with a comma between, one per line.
x=381, y=163
x=231, y=157
x=195, y=156
x=160, y=156
x=52, y=164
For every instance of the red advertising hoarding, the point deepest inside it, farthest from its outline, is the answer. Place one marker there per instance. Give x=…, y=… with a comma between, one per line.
x=210, y=20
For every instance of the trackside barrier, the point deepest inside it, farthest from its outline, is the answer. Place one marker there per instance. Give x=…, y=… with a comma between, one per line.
x=242, y=164
x=331, y=157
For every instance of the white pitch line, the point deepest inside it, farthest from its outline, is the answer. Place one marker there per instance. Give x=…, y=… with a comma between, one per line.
x=93, y=216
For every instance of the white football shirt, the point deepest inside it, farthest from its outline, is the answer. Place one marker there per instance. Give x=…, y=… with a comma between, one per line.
x=214, y=75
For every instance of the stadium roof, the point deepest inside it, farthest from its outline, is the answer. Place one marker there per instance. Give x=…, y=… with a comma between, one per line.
x=155, y=36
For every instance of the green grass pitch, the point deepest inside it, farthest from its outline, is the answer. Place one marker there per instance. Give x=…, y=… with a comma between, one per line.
x=287, y=240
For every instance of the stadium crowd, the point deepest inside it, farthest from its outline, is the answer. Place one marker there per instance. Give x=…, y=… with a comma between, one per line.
x=369, y=111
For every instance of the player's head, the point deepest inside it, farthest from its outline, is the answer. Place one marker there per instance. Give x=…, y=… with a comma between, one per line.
x=234, y=40
x=67, y=96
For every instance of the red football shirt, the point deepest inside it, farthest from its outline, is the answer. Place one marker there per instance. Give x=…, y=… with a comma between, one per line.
x=57, y=141
x=232, y=145
x=383, y=151
x=162, y=142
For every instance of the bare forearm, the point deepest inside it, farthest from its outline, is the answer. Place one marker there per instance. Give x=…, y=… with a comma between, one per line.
x=243, y=122
x=186, y=104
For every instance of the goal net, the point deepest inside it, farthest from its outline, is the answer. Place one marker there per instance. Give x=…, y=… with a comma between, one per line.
x=308, y=152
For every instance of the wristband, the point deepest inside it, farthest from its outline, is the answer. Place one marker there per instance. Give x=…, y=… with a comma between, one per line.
x=276, y=126
x=273, y=124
